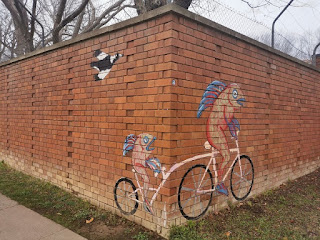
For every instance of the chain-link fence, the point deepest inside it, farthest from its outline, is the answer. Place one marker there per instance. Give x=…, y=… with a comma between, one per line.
x=293, y=44
x=225, y=15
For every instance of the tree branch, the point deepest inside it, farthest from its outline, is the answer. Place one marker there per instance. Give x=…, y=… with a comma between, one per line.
x=78, y=24
x=113, y=15
x=251, y=6
x=73, y=15
x=32, y=22
x=140, y=5
x=13, y=10
x=100, y=18
x=92, y=17
x=60, y=12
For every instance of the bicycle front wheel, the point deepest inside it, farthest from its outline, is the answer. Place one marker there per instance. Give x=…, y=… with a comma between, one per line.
x=126, y=196
x=241, y=179
x=195, y=192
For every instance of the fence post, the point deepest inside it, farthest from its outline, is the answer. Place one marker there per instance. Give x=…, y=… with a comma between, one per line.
x=272, y=31
x=314, y=56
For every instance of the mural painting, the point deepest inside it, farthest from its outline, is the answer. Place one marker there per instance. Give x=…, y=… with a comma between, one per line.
x=197, y=185
x=224, y=101
x=141, y=159
x=104, y=64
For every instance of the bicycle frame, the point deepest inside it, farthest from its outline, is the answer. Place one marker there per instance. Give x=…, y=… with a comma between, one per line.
x=214, y=167
x=165, y=175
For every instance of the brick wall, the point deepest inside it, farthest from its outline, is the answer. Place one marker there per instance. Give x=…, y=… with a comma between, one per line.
x=280, y=120
x=60, y=125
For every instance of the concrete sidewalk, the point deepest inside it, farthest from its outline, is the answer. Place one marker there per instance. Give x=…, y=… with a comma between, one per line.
x=20, y=223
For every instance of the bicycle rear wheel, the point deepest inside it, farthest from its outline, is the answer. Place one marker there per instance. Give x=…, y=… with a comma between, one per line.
x=241, y=179
x=126, y=196
x=193, y=204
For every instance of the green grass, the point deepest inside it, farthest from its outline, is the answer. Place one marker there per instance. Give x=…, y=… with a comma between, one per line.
x=192, y=230
x=45, y=198
x=64, y=207
x=142, y=236
x=289, y=212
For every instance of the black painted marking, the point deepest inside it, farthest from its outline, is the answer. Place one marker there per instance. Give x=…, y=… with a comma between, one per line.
x=104, y=64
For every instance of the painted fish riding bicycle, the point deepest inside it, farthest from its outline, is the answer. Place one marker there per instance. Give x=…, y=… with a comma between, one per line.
x=197, y=185
x=224, y=101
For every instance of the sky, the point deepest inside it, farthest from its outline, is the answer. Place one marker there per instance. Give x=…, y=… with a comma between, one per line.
x=300, y=16
x=300, y=20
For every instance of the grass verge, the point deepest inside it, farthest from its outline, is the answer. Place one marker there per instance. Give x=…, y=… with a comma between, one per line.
x=291, y=211
x=67, y=209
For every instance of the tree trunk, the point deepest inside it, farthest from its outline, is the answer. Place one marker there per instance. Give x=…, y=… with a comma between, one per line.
x=144, y=6
x=20, y=20
x=183, y=3
x=59, y=23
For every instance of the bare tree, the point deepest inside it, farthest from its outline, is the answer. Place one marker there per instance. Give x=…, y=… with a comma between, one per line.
x=300, y=46
x=7, y=36
x=7, y=41
x=307, y=43
x=23, y=33
x=285, y=43
x=61, y=22
x=62, y=19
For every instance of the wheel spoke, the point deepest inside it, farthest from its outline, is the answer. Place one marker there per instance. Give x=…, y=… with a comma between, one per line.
x=198, y=201
x=121, y=199
x=132, y=196
x=241, y=179
x=121, y=190
x=250, y=171
x=188, y=189
x=193, y=204
x=194, y=181
x=204, y=183
x=119, y=196
x=126, y=197
x=127, y=207
x=239, y=188
x=244, y=167
x=185, y=203
x=237, y=182
x=199, y=178
x=244, y=179
x=237, y=175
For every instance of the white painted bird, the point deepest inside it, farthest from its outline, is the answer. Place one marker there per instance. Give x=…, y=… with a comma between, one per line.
x=104, y=64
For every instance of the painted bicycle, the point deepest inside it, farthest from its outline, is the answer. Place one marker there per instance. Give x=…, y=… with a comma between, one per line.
x=197, y=184
x=196, y=187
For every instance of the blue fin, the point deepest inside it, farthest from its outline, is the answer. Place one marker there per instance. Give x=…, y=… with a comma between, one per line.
x=233, y=125
x=209, y=96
